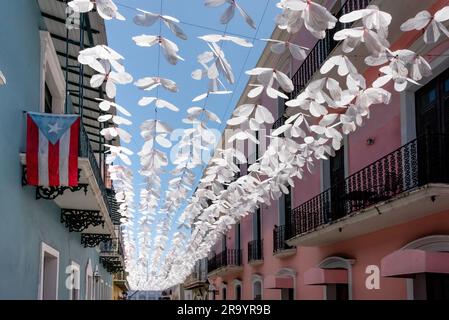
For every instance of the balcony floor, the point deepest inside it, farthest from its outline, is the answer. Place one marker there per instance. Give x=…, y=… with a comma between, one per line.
x=225, y=271
x=408, y=206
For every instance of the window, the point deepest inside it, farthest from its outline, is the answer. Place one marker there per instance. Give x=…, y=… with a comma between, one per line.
x=257, y=290
x=238, y=292
x=257, y=227
x=48, y=100
x=49, y=272
x=287, y=294
x=431, y=286
x=73, y=281
x=339, y=291
x=223, y=293
x=52, y=82
x=89, y=282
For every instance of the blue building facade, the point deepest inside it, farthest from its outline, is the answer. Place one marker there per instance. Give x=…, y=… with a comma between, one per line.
x=40, y=258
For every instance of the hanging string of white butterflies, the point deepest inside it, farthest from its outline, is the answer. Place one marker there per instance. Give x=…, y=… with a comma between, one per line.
x=317, y=120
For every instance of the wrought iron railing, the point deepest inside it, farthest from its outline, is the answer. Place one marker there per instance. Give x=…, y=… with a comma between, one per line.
x=417, y=163
x=323, y=48
x=279, y=122
x=280, y=234
x=85, y=151
x=255, y=250
x=199, y=273
x=229, y=257
x=112, y=246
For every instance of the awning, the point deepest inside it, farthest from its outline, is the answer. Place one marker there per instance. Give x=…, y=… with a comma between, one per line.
x=320, y=276
x=408, y=262
x=278, y=282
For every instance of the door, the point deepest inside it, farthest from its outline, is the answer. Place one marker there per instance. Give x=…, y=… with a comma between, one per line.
x=432, y=128
x=337, y=182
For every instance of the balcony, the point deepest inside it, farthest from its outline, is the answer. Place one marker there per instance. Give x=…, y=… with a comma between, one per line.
x=90, y=207
x=224, y=263
x=111, y=255
x=255, y=252
x=323, y=49
x=195, y=279
x=120, y=281
x=409, y=183
x=280, y=248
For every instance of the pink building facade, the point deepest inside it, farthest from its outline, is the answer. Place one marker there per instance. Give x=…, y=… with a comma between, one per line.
x=371, y=222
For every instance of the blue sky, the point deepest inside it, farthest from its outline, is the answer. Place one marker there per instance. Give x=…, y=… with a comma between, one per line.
x=142, y=62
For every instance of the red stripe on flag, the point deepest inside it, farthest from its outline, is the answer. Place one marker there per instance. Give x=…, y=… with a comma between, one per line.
x=73, y=153
x=53, y=164
x=32, y=150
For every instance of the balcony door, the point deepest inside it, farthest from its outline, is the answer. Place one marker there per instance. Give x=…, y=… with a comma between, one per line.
x=432, y=127
x=337, y=182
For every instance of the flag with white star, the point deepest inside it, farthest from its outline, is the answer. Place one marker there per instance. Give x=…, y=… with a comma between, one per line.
x=52, y=149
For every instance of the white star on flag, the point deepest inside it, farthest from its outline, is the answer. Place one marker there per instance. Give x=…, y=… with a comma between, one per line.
x=54, y=128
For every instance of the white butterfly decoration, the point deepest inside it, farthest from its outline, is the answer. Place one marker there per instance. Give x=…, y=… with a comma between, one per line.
x=122, y=152
x=2, y=79
x=146, y=19
x=216, y=38
x=230, y=11
x=150, y=83
x=266, y=77
x=432, y=25
x=252, y=115
x=373, y=33
x=169, y=48
x=404, y=66
x=160, y=103
x=296, y=13
x=279, y=47
x=106, y=8
x=201, y=115
x=107, y=63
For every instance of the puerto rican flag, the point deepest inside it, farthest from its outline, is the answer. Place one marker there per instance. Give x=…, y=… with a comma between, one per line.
x=52, y=149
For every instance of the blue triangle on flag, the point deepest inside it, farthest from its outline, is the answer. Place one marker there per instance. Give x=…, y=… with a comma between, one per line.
x=53, y=126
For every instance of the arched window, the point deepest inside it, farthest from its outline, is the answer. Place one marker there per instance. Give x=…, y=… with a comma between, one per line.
x=257, y=287
x=422, y=285
x=237, y=289
x=224, y=293
x=338, y=291
x=89, y=281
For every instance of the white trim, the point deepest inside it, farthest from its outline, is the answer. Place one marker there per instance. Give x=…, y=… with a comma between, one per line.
x=257, y=278
x=407, y=98
x=51, y=74
x=335, y=262
x=288, y=272
x=88, y=294
x=429, y=243
x=77, y=275
x=45, y=248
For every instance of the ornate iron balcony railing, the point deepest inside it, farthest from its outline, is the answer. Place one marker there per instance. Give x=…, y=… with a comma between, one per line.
x=229, y=257
x=417, y=163
x=280, y=234
x=255, y=250
x=279, y=122
x=319, y=53
x=323, y=48
x=85, y=151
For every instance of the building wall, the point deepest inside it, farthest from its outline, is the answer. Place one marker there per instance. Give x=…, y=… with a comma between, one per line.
x=25, y=221
x=387, y=127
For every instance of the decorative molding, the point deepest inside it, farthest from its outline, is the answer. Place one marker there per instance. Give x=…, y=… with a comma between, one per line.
x=51, y=74
x=78, y=220
x=51, y=193
x=94, y=239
